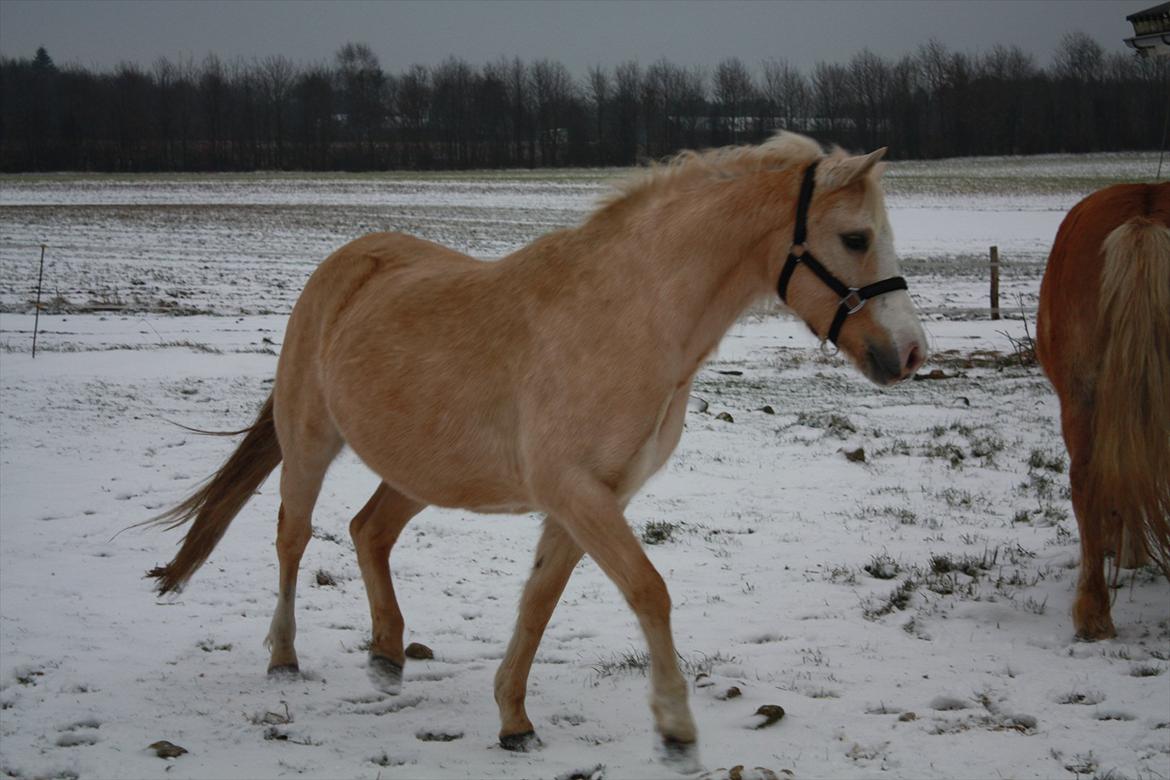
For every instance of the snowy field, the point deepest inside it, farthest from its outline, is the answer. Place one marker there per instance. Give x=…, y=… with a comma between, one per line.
x=909, y=611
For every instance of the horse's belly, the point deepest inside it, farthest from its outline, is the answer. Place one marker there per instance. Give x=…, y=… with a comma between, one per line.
x=435, y=459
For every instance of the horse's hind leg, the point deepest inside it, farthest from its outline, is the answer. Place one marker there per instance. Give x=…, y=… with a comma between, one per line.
x=1091, y=617
x=374, y=531
x=556, y=556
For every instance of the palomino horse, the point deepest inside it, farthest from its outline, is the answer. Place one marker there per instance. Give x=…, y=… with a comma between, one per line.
x=1103, y=337
x=554, y=380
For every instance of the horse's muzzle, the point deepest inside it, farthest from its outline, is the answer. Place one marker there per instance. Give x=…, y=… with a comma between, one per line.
x=888, y=364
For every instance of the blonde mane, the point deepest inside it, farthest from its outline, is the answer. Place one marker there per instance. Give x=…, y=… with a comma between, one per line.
x=686, y=167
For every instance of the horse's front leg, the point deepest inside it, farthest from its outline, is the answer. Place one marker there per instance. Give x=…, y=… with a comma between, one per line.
x=592, y=516
x=556, y=556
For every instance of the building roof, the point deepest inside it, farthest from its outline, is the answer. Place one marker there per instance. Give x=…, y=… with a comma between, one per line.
x=1151, y=20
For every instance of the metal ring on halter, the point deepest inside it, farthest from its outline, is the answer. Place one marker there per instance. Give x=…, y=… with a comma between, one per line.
x=825, y=351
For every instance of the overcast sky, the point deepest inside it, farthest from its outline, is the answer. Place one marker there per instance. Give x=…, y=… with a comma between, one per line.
x=101, y=33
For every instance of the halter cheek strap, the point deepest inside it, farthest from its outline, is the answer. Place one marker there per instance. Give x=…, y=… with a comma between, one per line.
x=852, y=299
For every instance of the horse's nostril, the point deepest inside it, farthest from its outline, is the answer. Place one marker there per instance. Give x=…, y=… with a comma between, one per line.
x=913, y=359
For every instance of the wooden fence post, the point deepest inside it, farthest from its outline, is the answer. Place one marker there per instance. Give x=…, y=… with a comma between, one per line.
x=37, y=315
x=995, y=283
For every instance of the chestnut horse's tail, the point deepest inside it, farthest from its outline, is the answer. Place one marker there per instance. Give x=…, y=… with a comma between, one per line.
x=219, y=500
x=1130, y=463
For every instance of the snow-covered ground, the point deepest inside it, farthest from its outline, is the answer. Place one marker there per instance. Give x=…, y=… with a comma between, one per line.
x=909, y=611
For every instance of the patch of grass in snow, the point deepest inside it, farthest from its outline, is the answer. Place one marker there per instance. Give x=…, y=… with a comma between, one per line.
x=638, y=662
x=898, y=599
x=882, y=567
x=1039, y=459
x=1145, y=670
x=659, y=531
x=833, y=424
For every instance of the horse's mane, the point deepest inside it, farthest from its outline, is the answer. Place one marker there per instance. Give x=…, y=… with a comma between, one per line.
x=780, y=151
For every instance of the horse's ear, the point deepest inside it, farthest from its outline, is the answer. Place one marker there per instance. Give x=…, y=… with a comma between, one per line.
x=847, y=170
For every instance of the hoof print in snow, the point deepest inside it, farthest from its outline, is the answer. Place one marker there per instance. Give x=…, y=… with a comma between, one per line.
x=731, y=693
x=595, y=773
x=437, y=735
x=325, y=579
x=524, y=742
x=725, y=417
x=419, y=652
x=855, y=456
x=696, y=404
x=770, y=713
x=947, y=703
x=740, y=772
x=165, y=749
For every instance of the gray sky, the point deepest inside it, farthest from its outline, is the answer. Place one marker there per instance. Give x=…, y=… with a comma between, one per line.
x=101, y=33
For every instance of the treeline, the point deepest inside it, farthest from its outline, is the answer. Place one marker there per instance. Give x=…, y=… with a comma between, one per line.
x=351, y=114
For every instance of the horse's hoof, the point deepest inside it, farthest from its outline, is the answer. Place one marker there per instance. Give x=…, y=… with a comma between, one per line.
x=1095, y=633
x=284, y=671
x=385, y=673
x=523, y=742
x=682, y=757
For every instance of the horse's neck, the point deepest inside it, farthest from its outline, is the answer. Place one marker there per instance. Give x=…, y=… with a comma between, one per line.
x=697, y=267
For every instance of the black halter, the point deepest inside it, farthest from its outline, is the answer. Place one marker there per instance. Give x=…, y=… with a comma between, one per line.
x=852, y=298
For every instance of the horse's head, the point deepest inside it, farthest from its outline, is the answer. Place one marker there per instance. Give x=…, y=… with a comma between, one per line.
x=841, y=273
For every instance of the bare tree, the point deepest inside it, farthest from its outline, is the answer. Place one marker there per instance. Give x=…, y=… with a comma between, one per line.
x=627, y=97
x=363, y=86
x=452, y=82
x=786, y=93
x=552, y=90
x=734, y=93
x=600, y=89
x=277, y=76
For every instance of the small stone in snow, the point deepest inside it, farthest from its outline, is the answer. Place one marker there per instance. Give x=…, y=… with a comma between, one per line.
x=767, y=409
x=855, y=456
x=771, y=714
x=732, y=693
x=164, y=749
x=905, y=717
x=725, y=417
x=419, y=651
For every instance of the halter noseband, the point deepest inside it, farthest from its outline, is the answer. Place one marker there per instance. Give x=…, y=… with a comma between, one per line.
x=852, y=299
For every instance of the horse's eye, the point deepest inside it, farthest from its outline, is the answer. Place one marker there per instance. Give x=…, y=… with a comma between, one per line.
x=855, y=242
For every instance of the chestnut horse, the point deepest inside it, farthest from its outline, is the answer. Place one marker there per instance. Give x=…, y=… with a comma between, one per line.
x=1103, y=338
x=554, y=380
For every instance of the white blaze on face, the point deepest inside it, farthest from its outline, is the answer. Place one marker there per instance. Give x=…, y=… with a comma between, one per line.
x=895, y=311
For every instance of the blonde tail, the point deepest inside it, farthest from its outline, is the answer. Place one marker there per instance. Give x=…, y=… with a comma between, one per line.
x=1129, y=469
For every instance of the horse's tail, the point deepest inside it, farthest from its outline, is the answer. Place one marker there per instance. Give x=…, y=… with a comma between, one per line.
x=1129, y=468
x=218, y=501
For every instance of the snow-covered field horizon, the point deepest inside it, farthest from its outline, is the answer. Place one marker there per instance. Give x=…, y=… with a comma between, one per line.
x=908, y=607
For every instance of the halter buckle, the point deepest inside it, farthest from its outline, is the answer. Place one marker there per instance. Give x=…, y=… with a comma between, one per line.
x=853, y=302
